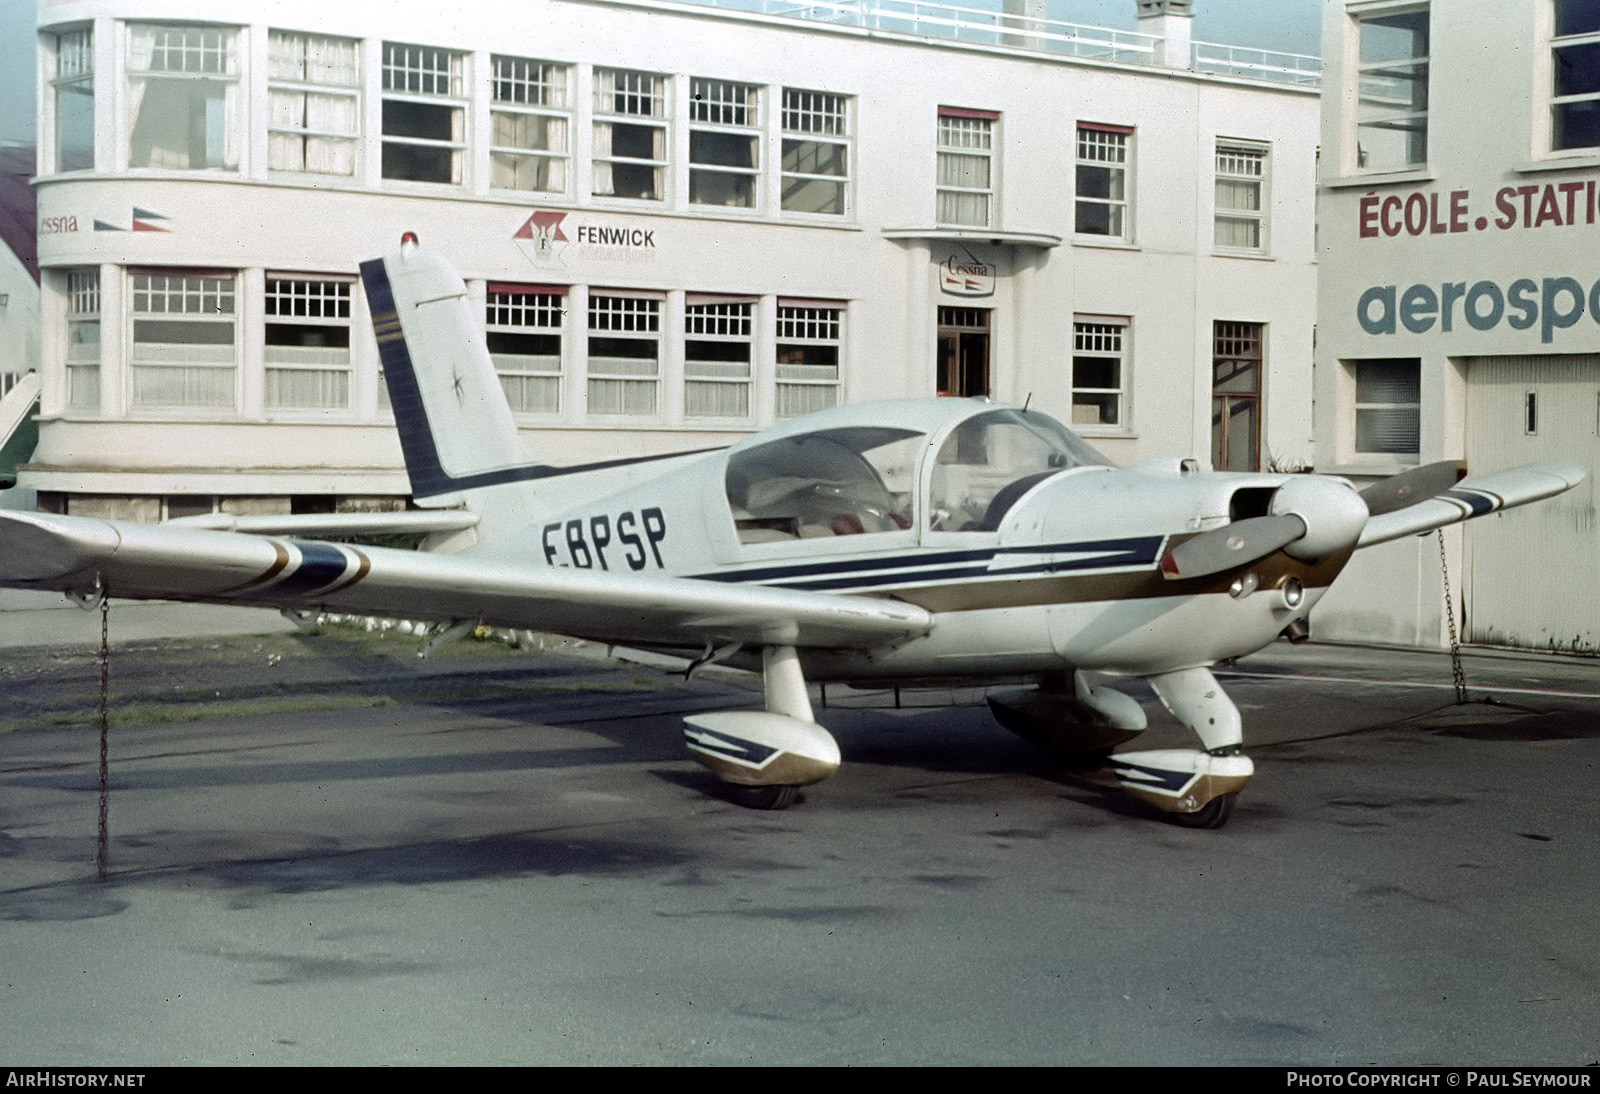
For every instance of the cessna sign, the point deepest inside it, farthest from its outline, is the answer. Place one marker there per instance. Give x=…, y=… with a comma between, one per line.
x=965, y=274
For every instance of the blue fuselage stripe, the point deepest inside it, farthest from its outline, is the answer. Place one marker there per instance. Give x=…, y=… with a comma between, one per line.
x=917, y=568
x=1480, y=504
x=320, y=566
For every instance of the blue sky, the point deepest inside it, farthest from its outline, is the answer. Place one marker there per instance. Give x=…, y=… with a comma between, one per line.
x=1290, y=25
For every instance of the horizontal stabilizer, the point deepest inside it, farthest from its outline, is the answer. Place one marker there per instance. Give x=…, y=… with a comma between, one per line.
x=1474, y=497
x=162, y=562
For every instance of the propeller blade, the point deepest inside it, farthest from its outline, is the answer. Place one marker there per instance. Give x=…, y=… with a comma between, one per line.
x=1232, y=545
x=1410, y=487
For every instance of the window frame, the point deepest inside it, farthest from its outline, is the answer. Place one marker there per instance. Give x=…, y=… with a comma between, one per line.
x=638, y=317
x=278, y=135
x=1357, y=407
x=725, y=321
x=1226, y=334
x=83, y=311
x=1087, y=327
x=548, y=98
x=454, y=98
x=1261, y=154
x=1585, y=40
x=702, y=105
x=208, y=299
x=982, y=125
x=74, y=75
x=1119, y=208
x=610, y=115
x=507, y=307
x=136, y=102
x=1410, y=117
x=828, y=120
x=804, y=325
x=308, y=309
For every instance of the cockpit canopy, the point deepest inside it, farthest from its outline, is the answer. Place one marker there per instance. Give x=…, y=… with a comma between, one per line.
x=851, y=480
x=990, y=460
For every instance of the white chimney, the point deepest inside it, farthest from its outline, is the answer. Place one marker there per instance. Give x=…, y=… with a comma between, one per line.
x=1168, y=20
x=1028, y=17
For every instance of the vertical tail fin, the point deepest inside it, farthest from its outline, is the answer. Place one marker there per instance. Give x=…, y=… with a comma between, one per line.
x=455, y=426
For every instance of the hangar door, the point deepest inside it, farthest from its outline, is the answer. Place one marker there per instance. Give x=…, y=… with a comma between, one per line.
x=1533, y=573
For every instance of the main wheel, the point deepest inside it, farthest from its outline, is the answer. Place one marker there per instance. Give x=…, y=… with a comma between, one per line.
x=764, y=797
x=1213, y=814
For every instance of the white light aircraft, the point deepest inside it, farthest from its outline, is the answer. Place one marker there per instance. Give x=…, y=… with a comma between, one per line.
x=925, y=541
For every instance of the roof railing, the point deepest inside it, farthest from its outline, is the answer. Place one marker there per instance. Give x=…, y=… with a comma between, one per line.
x=983, y=26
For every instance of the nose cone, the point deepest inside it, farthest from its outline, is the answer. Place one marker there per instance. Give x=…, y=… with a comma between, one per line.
x=1334, y=514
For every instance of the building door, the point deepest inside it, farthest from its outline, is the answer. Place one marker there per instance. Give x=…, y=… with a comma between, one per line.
x=963, y=351
x=1236, y=396
x=1532, y=574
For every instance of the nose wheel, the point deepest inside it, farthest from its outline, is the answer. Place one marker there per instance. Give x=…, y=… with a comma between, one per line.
x=1214, y=814
x=763, y=797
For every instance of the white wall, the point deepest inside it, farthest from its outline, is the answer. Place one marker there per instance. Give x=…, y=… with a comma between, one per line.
x=1168, y=281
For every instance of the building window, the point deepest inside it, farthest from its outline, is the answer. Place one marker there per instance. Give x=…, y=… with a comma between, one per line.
x=1099, y=373
x=184, y=338
x=1575, y=59
x=83, y=340
x=816, y=151
x=524, y=335
x=624, y=354
x=724, y=143
x=183, y=97
x=424, y=114
x=530, y=125
x=1389, y=405
x=808, y=357
x=630, y=135
x=1236, y=396
x=313, y=103
x=1104, y=158
x=716, y=359
x=74, y=98
x=966, y=166
x=307, y=354
x=1240, y=204
x=1392, y=77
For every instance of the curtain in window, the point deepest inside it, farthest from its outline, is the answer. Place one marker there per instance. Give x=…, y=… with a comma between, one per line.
x=180, y=122
x=332, y=61
x=307, y=389
x=603, y=181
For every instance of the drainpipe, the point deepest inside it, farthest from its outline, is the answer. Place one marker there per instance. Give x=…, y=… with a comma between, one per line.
x=1170, y=21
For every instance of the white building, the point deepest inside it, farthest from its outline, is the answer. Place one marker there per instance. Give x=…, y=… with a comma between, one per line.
x=1459, y=311
x=683, y=224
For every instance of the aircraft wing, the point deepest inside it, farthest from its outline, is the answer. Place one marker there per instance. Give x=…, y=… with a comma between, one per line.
x=1473, y=497
x=161, y=562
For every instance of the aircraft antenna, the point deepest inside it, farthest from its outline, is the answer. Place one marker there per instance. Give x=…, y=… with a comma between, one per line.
x=1026, y=401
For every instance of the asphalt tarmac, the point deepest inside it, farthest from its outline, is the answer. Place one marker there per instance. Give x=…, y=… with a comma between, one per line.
x=324, y=851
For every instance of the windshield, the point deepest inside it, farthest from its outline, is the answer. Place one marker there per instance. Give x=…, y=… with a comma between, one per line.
x=837, y=482
x=991, y=460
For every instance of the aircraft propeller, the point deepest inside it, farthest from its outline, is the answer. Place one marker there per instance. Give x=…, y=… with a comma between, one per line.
x=1410, y=487
x=1310, y=517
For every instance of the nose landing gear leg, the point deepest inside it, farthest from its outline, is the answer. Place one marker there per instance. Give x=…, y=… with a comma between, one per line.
x=1195, y=789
